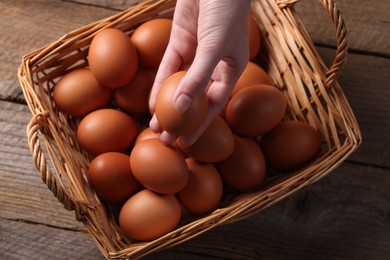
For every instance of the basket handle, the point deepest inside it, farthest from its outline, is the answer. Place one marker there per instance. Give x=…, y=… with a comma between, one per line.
x=342, y=42
x=35, y=125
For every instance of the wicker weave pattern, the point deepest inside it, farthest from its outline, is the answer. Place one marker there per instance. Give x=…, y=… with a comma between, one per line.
x=290, y=58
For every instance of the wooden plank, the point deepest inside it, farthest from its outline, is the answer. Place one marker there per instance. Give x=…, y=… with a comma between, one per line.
x=367, y=24
x=23, y=195
x=116, y=5
x=365, y=81
x=29, y=25
x=23, y=240
x=344, y=215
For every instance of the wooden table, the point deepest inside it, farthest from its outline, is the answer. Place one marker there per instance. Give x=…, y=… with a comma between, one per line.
x=345, y=215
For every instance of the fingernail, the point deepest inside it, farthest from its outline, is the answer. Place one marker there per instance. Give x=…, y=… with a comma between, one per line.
x=153, y=124
x=182, y=103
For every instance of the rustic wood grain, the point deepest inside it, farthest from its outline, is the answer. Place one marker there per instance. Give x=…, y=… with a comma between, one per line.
x=23, y=195
x=116, y=5
x=24, y=240
x=345, y=215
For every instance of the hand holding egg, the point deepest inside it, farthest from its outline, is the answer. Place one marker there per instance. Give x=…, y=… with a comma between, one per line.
x=213, y=50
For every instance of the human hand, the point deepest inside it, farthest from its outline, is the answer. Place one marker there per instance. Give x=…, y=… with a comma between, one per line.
x=209, y=39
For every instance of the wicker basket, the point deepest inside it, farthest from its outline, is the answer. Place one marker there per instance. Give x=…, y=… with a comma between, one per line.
x=289, y=57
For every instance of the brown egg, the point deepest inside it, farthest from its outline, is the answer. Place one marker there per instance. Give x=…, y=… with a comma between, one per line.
x=204, y=189
x=253, y=74
x=110, y=175
x=106, y=130
x=145, y=134
x=255, y=110
x=78, y=92
x=134, y=96
x=169, y=118
x=215, y=144
x=148, y=215
x=254, y=37
x=112, y=58
x=159, y=167
x=245, y=168
x=151, y=40
x=291, y=144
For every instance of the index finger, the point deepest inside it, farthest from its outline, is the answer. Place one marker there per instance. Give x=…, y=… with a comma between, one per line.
x=170, y=64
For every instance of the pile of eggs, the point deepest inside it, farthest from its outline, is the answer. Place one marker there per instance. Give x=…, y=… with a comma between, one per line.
x=154, y=183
